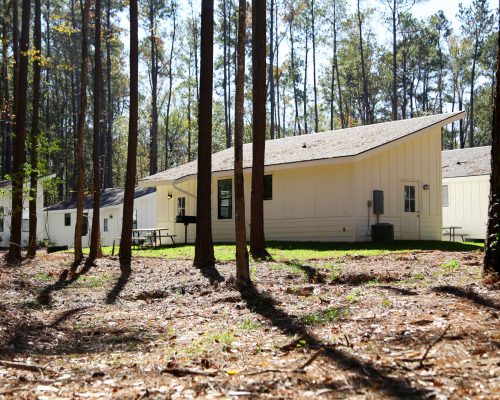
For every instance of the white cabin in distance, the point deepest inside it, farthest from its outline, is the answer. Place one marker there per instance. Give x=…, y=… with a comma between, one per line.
x=466, y=190
x=60, y=218
x=319, y=187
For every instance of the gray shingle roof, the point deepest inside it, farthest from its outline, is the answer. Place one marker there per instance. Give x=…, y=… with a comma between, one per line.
x=467, y=162
x=109, y=197
x=317, y=146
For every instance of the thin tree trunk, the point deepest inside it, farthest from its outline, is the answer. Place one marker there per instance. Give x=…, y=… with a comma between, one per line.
x=225, y=73
x=242, y=265
x=394, y=62
x=272, y=92
x=95, y=238
x=189, y=108
x=5, y=114
x=472, y=82
x=304, y=97
x=15, y=54
x=128, y=197
x=336, y=66
x=315, y=85
x=491, y=263
x=34, y=131
x=109, y=105
x=204, y=249
x=80, y=165
x=170, y=82
x=294, y=79
x=153, y=143
x=257, y=241
x=14, y=255
x=366, y=107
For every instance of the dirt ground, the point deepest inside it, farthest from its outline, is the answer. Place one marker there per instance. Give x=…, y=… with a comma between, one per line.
x=419, y=325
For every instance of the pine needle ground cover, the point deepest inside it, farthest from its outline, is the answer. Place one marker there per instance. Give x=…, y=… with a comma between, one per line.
x=401, y=324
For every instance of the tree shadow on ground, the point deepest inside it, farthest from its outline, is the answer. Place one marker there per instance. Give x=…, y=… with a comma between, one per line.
x=367, y=375
x=120, y=284
x=467, y=294
x=65, y=279
x=211, y=273
x=398, y=290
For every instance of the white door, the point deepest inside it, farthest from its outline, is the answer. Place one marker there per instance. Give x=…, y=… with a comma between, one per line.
x=410, y=210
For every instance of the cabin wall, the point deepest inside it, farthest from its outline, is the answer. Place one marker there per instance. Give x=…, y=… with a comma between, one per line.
x=6, y=203
x=60, y=235
x=468, y=199
x=328, y=202
x=416, y=162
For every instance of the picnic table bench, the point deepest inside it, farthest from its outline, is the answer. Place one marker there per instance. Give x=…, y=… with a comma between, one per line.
x=153, y=235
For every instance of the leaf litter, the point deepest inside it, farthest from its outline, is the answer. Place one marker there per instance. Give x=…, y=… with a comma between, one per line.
x=419, y=325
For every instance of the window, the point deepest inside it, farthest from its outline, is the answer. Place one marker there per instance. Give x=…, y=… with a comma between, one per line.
x=445, y=195
x=134, y=220
x=26, y=220
x=85, y=228
x=181, y=206
x=409, y=199
x=225, y=198
x=67, y=219
x=2, y=211
x=105, y=225
x=268, y=187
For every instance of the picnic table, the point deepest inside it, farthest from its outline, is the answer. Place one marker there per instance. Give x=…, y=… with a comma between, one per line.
x=451, y=230
x=154, y=235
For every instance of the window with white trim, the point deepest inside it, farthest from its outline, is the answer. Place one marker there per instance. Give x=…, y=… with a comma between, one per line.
x=181, y=206
x=445, y=196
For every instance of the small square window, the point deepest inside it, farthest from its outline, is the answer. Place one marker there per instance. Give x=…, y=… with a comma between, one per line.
x=445, y=196
x=181, y=206
x=67, y=219
x=225, y=199
x=268, y=187
x=25, y=226
x=85, y=229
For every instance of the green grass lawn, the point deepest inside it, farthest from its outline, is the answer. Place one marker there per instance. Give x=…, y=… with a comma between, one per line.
x=301, y=251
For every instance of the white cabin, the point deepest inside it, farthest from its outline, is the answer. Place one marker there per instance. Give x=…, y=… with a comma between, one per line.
x=6, y=211
x=466, y=190
x=60, y=218
x=319, y=187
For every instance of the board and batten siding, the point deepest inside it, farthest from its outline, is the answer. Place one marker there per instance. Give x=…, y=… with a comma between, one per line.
x=328, y=201
x=417, y=161
x=468, y=201
x=60, y=235
x=6, y=203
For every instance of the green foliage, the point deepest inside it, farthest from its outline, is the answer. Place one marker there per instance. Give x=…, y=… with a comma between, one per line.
x=450, y=266
x=333, y=314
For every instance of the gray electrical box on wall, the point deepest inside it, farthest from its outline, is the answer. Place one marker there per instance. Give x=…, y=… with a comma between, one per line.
x=378, y=202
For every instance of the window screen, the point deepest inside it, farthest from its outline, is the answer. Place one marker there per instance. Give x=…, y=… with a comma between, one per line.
x=268, y=187
x=181, y=206
x=225, y=199
x=445, y=195
x=409, y=196
x=26, y=220
x=105, y=225
x=67, y=219
x=2, y=211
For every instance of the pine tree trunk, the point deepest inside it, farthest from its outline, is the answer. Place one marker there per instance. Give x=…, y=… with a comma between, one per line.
x=80, y=165
x=315, y=85
x=109, y=104
x=257, y=243
x=294, y=79
x=128, y=197
x=304, y=96
x=272, y=91
x=394, y=63
x=95, y=238
x=492, y=246
x=170, y=84
x=242, y=266
x=366, y=106
x=32, y=242
x=472, y=82
x=14, y=255
x=153, y=143
x=204, y=249
x=225, y=62
x=6, y=124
